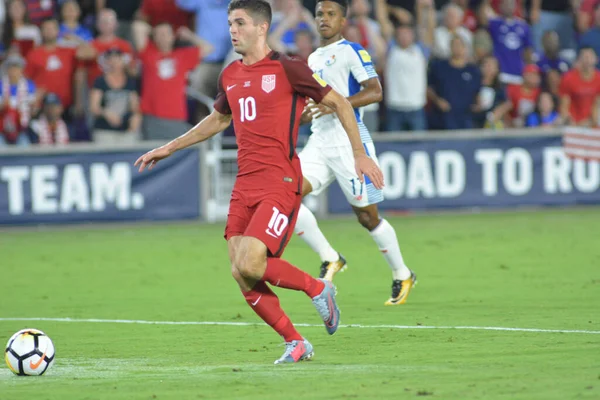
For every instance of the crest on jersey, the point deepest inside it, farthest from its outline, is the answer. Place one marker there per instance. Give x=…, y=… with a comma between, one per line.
x=268, y=83
x=330, y=61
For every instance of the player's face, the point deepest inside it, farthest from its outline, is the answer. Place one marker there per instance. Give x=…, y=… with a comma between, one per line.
x=330, y=19
x=244, y=33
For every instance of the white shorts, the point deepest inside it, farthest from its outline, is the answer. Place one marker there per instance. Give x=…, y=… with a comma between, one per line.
x=321, y=166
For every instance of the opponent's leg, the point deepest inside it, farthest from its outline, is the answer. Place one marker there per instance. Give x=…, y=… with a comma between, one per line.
x=384, y=235
x=317, y=177
x=308, y=229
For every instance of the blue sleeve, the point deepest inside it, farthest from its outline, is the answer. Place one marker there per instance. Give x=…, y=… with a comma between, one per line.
x=532, y=120
x=360, y=63
x=30, y=87
x=188, y=5
x=493, y=26
x=86, y=35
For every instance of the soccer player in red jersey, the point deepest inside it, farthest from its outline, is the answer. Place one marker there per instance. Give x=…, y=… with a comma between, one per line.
x=264, y=94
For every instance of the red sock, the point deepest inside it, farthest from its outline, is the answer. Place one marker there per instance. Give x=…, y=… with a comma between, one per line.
x=266, y=304
x=283, y=274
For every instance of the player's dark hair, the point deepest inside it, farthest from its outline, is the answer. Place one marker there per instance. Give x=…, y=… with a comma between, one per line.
x=342, y=3
x=259, y=10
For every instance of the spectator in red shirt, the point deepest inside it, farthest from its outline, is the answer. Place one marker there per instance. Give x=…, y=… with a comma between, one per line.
x=155, y=12
x=585, y=14
x=580, y=91
x=53, y=68
x=524, y=97
x=164, y=77
x=19, y=34
x=107, y=39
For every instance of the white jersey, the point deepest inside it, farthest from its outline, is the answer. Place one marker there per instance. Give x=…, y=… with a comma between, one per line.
x=344, y=66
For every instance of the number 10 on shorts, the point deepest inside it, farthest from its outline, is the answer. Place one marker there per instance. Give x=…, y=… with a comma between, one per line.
x=277, y=224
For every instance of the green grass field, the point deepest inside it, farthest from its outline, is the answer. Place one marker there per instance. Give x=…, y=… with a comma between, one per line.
x=535, y=270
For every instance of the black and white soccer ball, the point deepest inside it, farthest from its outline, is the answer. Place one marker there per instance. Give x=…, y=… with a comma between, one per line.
x=29, y=352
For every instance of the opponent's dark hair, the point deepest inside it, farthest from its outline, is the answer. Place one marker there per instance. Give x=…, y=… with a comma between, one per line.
x=259, y=10
x=342, y=3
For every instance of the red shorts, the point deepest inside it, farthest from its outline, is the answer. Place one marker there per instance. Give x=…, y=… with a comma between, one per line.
x=268, y=216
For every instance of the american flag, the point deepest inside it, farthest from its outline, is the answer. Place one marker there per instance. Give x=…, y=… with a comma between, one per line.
x=582, y=143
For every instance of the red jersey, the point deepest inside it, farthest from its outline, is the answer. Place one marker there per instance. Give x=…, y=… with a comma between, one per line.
x=159, y=11
x=164, y=79
x=94, y=67
x=582, y=93
x=266, y=100
x=522, y=99
x=52, y=70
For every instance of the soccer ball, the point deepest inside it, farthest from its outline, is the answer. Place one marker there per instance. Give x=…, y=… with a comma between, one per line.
x=29, y=352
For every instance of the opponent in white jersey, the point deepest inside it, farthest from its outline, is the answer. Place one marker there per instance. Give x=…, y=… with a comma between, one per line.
x=328, y=156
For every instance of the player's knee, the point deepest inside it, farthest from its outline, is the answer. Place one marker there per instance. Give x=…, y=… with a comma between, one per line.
x=368, y=220
x=250, y=261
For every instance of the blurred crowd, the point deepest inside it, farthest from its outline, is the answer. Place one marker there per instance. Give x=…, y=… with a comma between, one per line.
x=117, y=71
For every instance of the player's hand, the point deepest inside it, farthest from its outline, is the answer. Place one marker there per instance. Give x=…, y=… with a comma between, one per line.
x=366, y=166
x=151, y=158
x=317, y=110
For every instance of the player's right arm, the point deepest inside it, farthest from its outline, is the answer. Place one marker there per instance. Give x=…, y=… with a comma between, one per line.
x=205, y=129
x=216, y=122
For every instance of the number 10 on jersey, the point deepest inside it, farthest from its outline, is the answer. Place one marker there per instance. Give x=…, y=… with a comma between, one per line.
x=247, y=109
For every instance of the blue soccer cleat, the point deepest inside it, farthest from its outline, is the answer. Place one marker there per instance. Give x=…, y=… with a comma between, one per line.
x=327, y=307
x=295, y=351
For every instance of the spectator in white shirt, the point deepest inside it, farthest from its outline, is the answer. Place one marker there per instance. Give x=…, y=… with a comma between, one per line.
x=19, y=34
x=453, y=17
x=406, y=82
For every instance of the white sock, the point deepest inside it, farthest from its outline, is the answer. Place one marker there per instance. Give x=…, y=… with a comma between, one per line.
x=385, y=237
x=308, y=230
